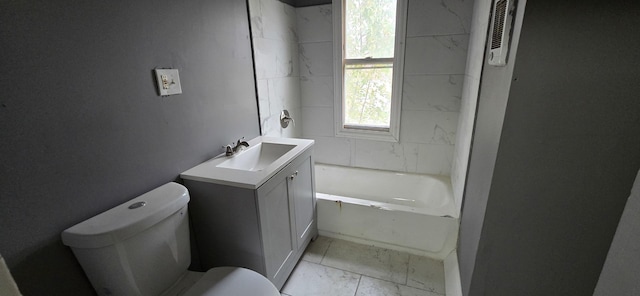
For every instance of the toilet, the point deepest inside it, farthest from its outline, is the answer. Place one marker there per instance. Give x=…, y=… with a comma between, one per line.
x=142, y=247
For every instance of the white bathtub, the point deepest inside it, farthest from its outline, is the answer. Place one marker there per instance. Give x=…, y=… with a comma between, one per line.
x=407, y=212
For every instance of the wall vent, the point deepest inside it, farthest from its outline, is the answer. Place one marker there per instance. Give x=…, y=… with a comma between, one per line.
x=503, y=11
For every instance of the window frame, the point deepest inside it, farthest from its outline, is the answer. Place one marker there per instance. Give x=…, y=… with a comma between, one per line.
x=363, y=132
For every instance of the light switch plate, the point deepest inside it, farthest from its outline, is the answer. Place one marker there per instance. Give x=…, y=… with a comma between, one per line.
x=168, y=82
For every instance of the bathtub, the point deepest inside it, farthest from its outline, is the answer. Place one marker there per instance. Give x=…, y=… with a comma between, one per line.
x=407, y=212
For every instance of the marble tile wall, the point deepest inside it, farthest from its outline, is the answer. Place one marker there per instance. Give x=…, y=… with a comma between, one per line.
x=478, y=37
x=275, y=45
x=435, y=61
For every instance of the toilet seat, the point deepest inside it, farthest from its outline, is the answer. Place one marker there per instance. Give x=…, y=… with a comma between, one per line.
x=236, y=281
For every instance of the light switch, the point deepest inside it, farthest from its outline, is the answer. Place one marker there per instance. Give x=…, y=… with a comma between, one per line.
x=168, y=82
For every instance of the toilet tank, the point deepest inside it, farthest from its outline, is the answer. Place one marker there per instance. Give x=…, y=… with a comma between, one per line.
x=140, y=247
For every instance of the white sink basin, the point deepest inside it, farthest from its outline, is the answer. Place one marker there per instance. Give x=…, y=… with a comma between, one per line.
x=250, y=168
x=256, y=158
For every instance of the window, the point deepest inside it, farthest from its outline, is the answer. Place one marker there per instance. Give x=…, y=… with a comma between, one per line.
x=369, y=58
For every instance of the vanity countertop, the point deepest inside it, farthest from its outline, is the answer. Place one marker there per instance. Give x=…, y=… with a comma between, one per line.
x=220, y=169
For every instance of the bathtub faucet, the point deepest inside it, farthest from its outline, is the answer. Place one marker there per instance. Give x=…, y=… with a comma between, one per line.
x=233, y=149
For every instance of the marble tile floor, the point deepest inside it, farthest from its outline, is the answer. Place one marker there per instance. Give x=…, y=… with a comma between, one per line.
x=333, y=267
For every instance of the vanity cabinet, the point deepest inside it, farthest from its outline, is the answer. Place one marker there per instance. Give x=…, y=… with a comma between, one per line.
x=264, y=229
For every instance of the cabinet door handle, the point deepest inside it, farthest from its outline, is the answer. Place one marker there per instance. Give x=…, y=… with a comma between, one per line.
x=294, y=175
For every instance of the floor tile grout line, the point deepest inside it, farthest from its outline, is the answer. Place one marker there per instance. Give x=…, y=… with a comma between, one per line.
x=358, y=286
x=325, y=251
x=360, y=277
x=406, y=280
x=337, y=268
x=371, y=276
x=405, y=283
x=350, y=271
x=360, y=274
x=392, y=282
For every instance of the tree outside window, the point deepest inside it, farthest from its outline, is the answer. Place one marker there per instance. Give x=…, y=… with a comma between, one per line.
x=369, y=53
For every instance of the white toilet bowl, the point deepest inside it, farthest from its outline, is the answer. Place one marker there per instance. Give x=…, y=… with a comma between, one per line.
x=142, y=247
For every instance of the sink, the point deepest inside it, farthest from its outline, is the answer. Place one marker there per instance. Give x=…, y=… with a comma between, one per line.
x=253, y=166
x=256, y=158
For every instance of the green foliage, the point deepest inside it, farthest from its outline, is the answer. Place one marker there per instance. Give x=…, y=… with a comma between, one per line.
x=368, y=96
x=370, y=28
x=370, y=34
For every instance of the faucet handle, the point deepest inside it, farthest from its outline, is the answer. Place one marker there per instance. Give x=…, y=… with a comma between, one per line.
x=228, y=150
x=285, y=119
x=242, y=142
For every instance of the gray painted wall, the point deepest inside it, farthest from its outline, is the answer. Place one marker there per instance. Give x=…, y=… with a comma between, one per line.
x=567, y=156
x=82, y=127
x=491, y=107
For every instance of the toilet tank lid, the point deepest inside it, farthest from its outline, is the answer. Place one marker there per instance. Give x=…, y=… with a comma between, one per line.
x=127, y=219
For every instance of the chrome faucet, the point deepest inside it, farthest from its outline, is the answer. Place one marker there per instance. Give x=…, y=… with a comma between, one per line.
x=285, y=119
x=233, y=149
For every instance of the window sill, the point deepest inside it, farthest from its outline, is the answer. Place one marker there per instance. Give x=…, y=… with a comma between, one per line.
x=384, y=136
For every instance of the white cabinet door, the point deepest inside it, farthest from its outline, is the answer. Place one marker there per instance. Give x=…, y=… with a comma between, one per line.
x=301, y=189
x=276, y=223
